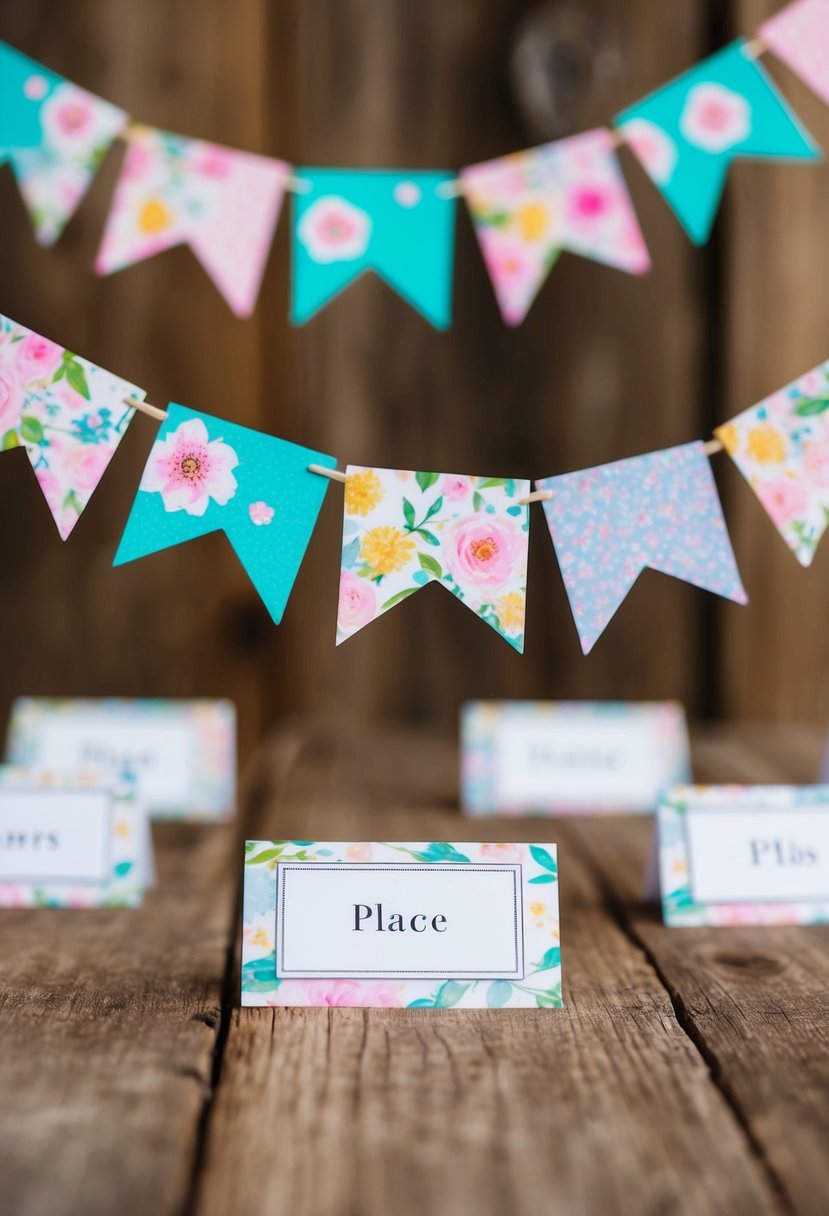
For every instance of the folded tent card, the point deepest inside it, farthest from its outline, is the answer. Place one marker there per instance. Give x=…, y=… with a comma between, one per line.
x=744, y=855
x=181, y=755
x=72, y=841
x=570, y=757
x=392, y=924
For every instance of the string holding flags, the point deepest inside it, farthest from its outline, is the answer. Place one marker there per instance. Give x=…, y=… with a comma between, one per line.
x=526, y=207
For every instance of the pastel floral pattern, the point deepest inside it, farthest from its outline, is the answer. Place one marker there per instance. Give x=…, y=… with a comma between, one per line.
x=799, y=35
x=679, y=907
x=333, y=231
x=660, y=510
x=54, y=135
x=540, y=987
x=530, y=205
x=404, y=529
x=67, y=413
x=207, y=475
x=781, y=446
x=223, y=203
x=687, y=133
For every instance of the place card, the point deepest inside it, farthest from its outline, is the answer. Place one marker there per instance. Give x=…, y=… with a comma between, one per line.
x=71, y=841
x=570, y=757
x=417, y=925
x=182, y=754
x=744, y=855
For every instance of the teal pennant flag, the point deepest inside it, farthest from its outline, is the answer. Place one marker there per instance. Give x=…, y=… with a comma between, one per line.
x=687, y=133
x=54, y=135
x=207, y=475
x=400, y=225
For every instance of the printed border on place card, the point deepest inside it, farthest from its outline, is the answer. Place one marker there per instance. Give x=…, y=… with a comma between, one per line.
x=502, y=942
x=191, y=743
x=744, y=855
x=570, y=757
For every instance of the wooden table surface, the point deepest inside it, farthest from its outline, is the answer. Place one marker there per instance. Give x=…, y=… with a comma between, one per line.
x=688, y=1073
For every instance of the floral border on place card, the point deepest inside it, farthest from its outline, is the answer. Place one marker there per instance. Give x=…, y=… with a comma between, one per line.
x=540, y=988
x=480, y=721
x=679, y=908
x=127, y=884
x=213, y=723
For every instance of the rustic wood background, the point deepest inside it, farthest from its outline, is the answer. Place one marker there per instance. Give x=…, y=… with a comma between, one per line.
x=606, y=365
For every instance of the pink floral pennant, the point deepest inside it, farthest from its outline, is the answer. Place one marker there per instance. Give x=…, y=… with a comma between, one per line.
x=530, y=205
x=224, y=204
x=799, y=35
x=781, y=447
x=404, y=529
x=67, y=413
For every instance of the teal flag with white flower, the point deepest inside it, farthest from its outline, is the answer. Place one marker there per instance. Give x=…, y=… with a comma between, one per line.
x=54, y=135
x=400, y=225
x=687, y=133
x=206, y=475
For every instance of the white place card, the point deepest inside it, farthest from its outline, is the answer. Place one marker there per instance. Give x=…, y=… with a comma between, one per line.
x=570, y=757
x=71, y=841
x=744, y=855
x=417, y=924
x=181, y=754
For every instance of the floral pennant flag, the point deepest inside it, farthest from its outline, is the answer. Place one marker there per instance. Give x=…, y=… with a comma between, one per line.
x=224, y=204
x=799, y=35
x=54, y=135
x=530, y=205
x=403, y=529
x=400, y=225
x=67, y=413
x=660, y=510
x=206, y=475
x=781, y=447
x=687, y=133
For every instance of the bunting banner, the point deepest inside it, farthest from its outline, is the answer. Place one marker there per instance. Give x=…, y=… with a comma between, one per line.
x=67, y=413
x=402, y=530
x=799, y=35
x=206, y=475
x=175, y=191
x=530, y=205
x=781, y=447
x=609, y=523
x=54, y=135
x=687, y=133
x=400, y=225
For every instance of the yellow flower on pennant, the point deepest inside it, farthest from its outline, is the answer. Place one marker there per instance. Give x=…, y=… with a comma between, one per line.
x=363, y=491
x=537, y=909
x=510, y=610
x=261, y=939
x=154, y=216
x=533, y=219
x=728, y=437
x=766, y=444
x=386, y=550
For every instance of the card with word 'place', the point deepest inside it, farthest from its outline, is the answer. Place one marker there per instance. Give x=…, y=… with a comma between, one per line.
x=570, y=757
x=71, y=841
x=744, y=855
x=181, y=754
x=401, y=925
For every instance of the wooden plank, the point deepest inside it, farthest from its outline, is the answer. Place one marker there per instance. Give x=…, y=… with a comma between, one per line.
x=776, y=320
x=110, y=1020
x=605, y=1106
x=755, y=1001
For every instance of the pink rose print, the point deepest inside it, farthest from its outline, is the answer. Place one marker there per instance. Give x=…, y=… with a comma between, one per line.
x=80, y=464
x=38, y=358
x=816, y=460
x=362, y=851
x=455, y=489
x=260, y=513
x=75, y=121
x=715, y=118
x=358, y=603
x=332, y=230
x=481, y=553
x=590, y=203
x=503, y=852
x=652, y=147
x=381, y=994
x=12, y=397
x=783, y=498
x=188, y=469
x=35, y=87
x=407, y=194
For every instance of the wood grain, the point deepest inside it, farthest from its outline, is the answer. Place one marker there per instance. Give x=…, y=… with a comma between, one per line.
x=110, y=1021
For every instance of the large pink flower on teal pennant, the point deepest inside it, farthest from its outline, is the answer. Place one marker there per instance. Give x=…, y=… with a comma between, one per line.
x=188, y=469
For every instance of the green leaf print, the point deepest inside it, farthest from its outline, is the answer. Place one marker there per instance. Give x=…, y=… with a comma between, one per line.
x=426, y=480
x=551, y=999
x=10, y=440
x=395, y=599
x=543, y=878
x=76, y=376
x=429, y=537
x=810, y=406
x=265, y=855
x=408, y=513
x=551, y=959
x=498, y=993
x=123, y=868
x=435, y=507
x=31, y=429
x=543, y=858
x=449, y=994
x=428, y=563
